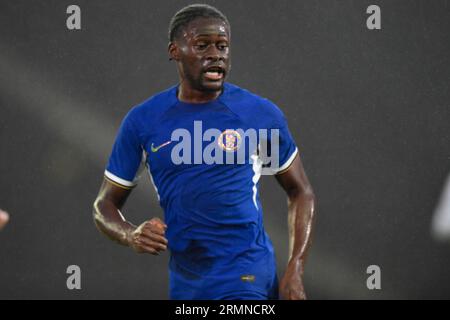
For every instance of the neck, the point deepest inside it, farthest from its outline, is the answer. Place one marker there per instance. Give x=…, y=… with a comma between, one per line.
x=190, y=95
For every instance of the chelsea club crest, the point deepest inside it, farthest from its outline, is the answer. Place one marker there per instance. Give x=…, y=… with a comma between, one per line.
x=229, y=140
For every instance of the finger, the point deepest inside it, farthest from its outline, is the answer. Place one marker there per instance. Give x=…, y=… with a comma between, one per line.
x=152, y=244
x=294, y=295
x=157, y=246
x=142, y=248
x=158, y=221
x=287, y=295
x=140, y=242
x=157, y=226
x=148, y=234
x=285, y=292
x=157, y=238
x=151, y=251
x=301, y=294
x=154, y=229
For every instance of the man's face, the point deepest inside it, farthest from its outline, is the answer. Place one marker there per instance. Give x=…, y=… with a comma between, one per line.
x=203, y=53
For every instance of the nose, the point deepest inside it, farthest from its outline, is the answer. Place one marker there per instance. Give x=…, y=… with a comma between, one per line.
x=214, y=54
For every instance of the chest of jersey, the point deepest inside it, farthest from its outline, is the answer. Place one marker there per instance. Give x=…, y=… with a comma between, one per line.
x=199, y=136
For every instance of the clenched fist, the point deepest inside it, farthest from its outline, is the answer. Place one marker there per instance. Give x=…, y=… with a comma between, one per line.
x=149, y=237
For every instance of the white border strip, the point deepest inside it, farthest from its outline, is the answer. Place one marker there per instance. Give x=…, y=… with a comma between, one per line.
x=121, y=181
x=288, y=162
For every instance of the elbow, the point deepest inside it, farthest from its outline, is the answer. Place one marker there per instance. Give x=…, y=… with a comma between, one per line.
x=303, y=197
x=96, y=213
x=303, y=193
x=309, y=197
x=310, y=194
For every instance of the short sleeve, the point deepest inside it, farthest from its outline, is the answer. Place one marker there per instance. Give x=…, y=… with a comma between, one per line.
x=287, y=149
x=126, y=156
x=281, y=150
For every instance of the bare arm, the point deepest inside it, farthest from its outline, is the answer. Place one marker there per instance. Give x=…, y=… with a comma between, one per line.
x=146, y=238
x=301, y=203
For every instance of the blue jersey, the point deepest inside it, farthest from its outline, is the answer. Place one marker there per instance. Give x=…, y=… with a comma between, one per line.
x=207, y=187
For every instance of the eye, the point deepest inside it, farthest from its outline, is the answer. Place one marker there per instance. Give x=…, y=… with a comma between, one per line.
x=201, y=46
x=222, y=46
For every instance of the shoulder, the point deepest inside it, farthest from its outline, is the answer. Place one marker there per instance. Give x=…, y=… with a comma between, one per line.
x=245, y=102
x=152, y=107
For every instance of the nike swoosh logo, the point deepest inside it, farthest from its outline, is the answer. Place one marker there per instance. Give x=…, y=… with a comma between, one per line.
x=249, y=278
x=155, y=149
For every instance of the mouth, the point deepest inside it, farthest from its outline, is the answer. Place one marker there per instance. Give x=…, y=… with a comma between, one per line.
x=214, y=73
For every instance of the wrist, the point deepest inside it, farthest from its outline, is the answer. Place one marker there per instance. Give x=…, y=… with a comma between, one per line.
x=128, y=233
x=297, y=264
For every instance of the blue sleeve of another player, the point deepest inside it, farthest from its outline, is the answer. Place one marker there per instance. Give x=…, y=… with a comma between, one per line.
x=126, y=156
x=287, y=148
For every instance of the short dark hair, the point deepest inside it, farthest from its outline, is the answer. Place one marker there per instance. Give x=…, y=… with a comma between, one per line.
x=182, y=18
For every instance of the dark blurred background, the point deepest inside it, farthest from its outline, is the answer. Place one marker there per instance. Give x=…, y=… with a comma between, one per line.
x=368, y=109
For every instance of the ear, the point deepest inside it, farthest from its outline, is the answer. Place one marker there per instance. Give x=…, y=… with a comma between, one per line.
x=174, y=51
